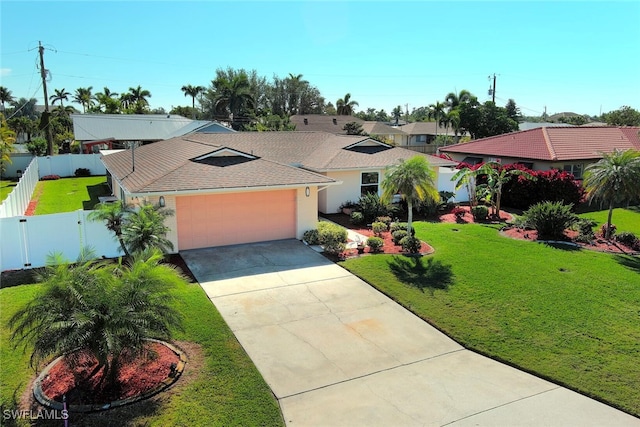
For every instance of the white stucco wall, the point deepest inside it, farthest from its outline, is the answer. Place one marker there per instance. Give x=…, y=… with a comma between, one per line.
x=332, y=197
x=307, y=211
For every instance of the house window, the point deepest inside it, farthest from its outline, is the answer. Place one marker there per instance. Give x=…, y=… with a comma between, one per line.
x=369, y=183
x=421, y=138
x=575, y=169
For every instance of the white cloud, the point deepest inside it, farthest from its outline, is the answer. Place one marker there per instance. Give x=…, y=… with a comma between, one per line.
x=4, y=72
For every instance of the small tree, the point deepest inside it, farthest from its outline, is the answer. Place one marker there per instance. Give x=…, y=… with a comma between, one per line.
x=496, y=177
x=614, y=179
x=145, y=229
x=113, y=215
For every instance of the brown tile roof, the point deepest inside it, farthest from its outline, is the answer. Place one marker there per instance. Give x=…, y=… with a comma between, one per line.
x=323, y=123
x=553, y=144
x=284, y=158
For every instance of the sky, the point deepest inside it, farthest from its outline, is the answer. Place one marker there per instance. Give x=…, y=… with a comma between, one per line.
x=577, y=56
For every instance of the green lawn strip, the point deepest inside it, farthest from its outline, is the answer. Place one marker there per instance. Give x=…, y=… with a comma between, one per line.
x=228, y=391
x=69, y=194
x=624, y=219
x=6, y=187
x=567, y=315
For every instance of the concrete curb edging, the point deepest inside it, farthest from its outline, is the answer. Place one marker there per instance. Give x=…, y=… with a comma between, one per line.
x=45, y=400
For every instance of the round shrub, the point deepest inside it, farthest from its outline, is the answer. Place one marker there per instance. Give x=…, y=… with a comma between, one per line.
x=398, y=235
x=379, y=228
x=401, y=226
x=480, y=213
x=584, y=226
x=386, y=219
x=332, y=237
x=356, y=218
x=312, y=237
x=82, y=172
x=375, y=244
x=411, y=244
x=550, y=219
x=627, y=238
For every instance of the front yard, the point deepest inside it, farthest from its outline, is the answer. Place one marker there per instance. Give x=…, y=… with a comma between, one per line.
x=570, y=316
x=68, y=194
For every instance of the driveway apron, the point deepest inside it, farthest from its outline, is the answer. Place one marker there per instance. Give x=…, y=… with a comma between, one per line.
x=336, y=352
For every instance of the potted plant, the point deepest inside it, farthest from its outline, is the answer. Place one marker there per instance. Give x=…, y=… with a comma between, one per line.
x=348, y=207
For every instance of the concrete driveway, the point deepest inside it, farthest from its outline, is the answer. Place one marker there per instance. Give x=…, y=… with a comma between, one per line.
x=336, y=352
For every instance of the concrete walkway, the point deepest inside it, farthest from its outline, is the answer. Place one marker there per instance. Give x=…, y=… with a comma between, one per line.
x=336, y=352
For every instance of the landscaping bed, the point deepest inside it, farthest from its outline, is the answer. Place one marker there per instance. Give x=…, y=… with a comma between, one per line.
x=597, y=244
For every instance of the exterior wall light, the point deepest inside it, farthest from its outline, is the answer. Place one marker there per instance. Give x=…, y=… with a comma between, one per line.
x=307, y=191
x=161, y=202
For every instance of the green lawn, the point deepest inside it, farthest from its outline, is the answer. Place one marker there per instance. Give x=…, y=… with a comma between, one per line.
x=571, y=316
x=6, y=187
x=227, y=391
x=69, y=194
x=624, y=219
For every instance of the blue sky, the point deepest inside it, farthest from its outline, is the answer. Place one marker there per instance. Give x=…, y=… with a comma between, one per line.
x=568, y=56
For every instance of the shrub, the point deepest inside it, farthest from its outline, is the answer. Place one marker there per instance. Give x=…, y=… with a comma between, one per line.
x=375, y=244
x=372, y=207
x=458, y=212
x=398, y=235
x=332, y=237
x=401, y=226
x=411, y=244
x=386, y=219
x=550, y=185
x=603, y=230
x=584, y=226
x=379, y=228
x=82, y=172
x=428, y=207
x=356, y=218
x=550, y=219
x=312, y=237
x=50, y=177
x=627, y=238
x=480, y=213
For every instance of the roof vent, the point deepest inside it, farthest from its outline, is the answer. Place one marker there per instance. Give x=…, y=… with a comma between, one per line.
x=335, y=121
x=306, y=121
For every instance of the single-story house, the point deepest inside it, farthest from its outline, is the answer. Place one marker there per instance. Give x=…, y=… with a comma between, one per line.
x=253, y=186
x=423, y=134
x=394, y=134
x=117, y=130
x=323, y=122
x=565, y=148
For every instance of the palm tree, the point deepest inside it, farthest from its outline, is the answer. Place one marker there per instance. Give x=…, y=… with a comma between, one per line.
x=496, y=177
x=5, y=96
x=396, y=113
x=106, y=309
x=436, y=111
x=414, y=179
x=59, y=95
x=466, y=177
x=345, y=105
x=453, y=100
x=145, y=229
x=232, y=98
x=192, y=91
x=138, y=97
x=84, y=97
x=113, y=215
x=7, y=139
x=614, y=179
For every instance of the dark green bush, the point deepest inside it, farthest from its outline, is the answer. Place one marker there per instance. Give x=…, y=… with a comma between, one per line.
x=372, y=207
x=398, y=235
x=550, y=219
x=480, y=213
x=411, y=244
x=401, y=226
x=584, y=226
x=332, y=237
x=356, y=218
x=375, y=244
x=82, y=172
x=627, y=238
x=312, y=237
x=379, y=228
x=386, y=219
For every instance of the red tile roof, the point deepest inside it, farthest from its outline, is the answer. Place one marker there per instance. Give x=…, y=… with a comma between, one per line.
x=553, y=144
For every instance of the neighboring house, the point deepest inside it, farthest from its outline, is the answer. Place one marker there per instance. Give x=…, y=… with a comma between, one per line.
x=253, y=186
x=423, y=135
x=323, y=123
x=565, y=148
x=392, y=134
x=120, y=129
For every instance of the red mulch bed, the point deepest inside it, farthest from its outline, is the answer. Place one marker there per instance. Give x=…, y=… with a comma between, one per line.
x=599, y=244
x=388, y=248
x=468, y=218
x=134, y=378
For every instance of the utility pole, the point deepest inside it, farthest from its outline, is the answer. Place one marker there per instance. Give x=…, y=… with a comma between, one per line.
x=46, y=116
x=492, y=92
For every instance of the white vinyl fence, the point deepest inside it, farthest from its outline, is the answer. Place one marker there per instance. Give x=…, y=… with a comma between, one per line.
x=445, y=184
x=17, y=201
x=27, y=240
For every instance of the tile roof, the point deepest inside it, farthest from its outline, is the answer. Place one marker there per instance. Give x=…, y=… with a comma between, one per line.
x=425, y=128
x=323, y=123
x=283, y=158
x=553, y=144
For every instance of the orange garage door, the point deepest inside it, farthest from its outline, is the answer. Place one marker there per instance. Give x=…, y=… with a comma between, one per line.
x=228, y=219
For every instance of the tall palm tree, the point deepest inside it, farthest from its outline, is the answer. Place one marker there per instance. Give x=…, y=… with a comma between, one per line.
x=396, y=113
x=193, y=92
x=5, y=96
x=414, y=179
x=59, y=95
x=453, y=100
x=84, y=97
x=232, y=98
x=613, y=179
x=145, y=228
x=138, y=99
x=113, y=215
x=106, y=309
x=345, y=105
x=436, y=111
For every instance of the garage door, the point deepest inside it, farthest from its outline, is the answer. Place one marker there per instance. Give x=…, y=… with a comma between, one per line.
x=229, y=219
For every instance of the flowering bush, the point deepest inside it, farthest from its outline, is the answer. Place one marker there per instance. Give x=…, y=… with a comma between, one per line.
x=550, y=185
x=50, y=177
